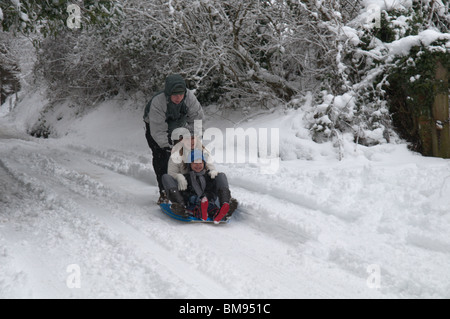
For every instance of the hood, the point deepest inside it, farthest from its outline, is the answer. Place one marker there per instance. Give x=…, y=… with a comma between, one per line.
x=175, y=84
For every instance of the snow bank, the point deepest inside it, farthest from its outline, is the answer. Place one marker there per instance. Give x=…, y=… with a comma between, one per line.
x=27, y=112
x=116, y=123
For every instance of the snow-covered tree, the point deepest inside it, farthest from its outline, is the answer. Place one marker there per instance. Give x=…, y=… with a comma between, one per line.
x=366, y=54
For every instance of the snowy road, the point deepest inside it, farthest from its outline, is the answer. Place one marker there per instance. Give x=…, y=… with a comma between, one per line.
x=65, y=203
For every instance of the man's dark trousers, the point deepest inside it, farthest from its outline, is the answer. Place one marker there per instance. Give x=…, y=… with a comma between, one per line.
x=160, y=157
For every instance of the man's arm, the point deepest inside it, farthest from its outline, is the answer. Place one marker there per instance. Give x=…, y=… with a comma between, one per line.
x=158, y=125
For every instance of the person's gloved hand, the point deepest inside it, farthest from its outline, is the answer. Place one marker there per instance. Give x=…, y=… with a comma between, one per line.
x=182, y=182
x=213, y=174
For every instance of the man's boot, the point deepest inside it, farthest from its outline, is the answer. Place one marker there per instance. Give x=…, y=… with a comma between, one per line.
x=162, y=198
x=177, y=202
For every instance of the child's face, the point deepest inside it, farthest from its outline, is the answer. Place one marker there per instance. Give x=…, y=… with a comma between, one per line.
x=197, y=167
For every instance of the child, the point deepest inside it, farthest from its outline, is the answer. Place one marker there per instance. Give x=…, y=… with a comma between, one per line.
x=201, y=191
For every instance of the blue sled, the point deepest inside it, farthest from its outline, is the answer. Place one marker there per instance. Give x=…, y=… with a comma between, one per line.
x=191, y=219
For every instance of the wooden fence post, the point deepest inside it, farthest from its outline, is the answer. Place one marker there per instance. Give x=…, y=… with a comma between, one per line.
x=440, y=113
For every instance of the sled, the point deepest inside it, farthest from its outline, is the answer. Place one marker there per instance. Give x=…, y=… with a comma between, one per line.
x=190, y=219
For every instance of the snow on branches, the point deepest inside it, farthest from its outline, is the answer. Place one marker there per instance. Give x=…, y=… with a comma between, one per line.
x=247, y=53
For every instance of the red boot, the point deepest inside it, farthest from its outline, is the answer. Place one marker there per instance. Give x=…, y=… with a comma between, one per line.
x=204, y=208
x=222, y=213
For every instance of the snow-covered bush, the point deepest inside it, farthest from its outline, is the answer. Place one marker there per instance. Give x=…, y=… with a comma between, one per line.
x=367, y=54
x=66, y=48
x=413, y=87
x=233, y=52
x=253, y=53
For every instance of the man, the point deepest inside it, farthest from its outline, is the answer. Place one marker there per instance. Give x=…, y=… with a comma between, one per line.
x=175, y=107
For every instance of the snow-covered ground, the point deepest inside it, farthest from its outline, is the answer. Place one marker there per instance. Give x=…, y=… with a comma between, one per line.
x=78, y=217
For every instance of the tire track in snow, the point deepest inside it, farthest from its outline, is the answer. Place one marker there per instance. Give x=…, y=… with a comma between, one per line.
x=291, y=224
x=29, y=275
x=119, y=165
x=292, y=197
x=190, y=251
x=348, y=250
x=274, y=222
x=201, y=262
x=141, y=171
x=282, y=229
x=98, y=207
x=96, y=199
